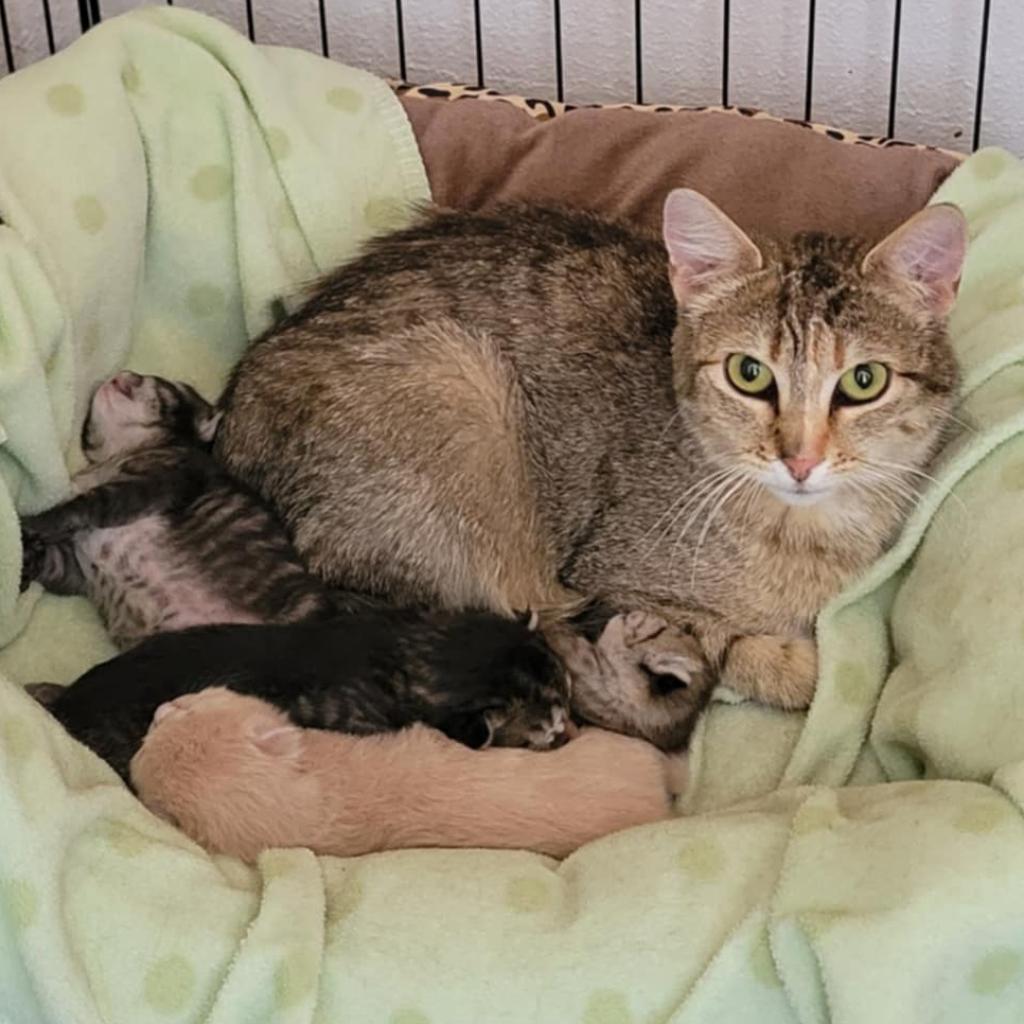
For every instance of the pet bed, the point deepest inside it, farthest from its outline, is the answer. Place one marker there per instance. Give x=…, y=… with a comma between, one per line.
x=163, y=183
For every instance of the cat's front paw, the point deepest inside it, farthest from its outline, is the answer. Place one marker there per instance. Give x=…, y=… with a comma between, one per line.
x=781, y=671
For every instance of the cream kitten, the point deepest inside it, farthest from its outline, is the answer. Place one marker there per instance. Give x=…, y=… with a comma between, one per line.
x=234, y=774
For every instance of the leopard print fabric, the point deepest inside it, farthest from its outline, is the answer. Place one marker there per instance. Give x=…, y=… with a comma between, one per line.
x=544, y=110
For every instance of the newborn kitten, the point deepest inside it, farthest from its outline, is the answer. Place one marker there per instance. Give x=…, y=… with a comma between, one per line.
x=159, y=537
x=237, y=777
x=479, y=678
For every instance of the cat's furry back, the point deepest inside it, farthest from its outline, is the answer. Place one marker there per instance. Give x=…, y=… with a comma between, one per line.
x=237, y=777
x=514, y=408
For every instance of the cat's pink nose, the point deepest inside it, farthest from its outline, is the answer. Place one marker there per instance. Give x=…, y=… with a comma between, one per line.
x=800, y=467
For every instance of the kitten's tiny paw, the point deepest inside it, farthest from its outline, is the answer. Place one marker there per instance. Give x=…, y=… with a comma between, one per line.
x=550, y=732
x=669, y=657
x=33, y=556
x=639, y=626
x=35, y=528
x=519, y=727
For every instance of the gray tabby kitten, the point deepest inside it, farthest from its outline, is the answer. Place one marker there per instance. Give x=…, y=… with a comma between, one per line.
x=520, y=408
x=157, y=535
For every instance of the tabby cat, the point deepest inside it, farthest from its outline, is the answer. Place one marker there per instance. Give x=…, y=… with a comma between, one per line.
x=516, y=408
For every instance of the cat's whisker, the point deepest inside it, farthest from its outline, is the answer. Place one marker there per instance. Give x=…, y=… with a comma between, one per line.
x=676, y=508
x=893, y=489
x=671, y=420
x=694, y=491
x=721, y=503
x=894, y=483
x=719, y=488
x=682, y=504
x=743, y=510
x=752, y=495
x=879, y=472
x=901, y=467
x=882, y=491
x=963, y=424
x=673, y=505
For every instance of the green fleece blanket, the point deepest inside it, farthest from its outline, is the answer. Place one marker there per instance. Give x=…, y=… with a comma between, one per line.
x=163, y=182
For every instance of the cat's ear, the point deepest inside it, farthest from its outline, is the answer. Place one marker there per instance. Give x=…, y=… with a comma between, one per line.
x=927, y=252
x=278, y=740
x=207, y=422
x=703, y=244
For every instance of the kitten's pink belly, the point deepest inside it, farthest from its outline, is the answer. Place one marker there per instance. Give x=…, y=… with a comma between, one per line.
x=140, y=588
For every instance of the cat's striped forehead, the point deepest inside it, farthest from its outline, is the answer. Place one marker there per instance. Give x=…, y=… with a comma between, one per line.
x=812, y=312
x=818, y=278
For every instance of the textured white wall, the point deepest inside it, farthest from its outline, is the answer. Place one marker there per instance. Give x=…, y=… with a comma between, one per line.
x=681, y=47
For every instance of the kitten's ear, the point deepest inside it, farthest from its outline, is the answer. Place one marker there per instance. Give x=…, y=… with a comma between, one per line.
x=926, y=252
x=703, y=244
x=207, y=422
x=278, y=740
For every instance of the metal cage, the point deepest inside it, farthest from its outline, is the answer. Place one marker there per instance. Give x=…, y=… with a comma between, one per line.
x=90, y=13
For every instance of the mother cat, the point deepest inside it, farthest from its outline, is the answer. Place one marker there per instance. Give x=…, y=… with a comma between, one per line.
x=512, y=409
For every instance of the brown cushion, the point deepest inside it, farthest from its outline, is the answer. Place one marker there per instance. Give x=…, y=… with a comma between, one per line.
x=772, y=176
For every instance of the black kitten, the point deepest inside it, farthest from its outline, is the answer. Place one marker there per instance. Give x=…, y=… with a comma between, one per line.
x=159, y=536
x=477, y=677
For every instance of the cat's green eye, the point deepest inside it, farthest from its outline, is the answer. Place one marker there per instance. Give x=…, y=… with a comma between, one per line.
x=749, y=375
x=863, y=382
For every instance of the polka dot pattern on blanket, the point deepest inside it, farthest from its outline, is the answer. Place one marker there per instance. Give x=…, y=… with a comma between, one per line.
x=65, y=99
x=607, y=1006
x=169, y=984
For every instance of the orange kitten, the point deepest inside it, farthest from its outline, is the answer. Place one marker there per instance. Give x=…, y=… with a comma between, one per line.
x=235, y=775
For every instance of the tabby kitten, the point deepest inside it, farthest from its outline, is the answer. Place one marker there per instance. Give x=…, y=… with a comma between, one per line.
x=517, y=408
x=158, y=536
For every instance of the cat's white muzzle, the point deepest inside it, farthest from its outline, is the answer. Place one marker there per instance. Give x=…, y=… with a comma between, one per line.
x=818, y=485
